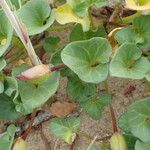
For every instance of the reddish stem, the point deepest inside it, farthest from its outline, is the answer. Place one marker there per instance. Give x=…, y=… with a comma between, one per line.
x=114, y=122
x=57, y=68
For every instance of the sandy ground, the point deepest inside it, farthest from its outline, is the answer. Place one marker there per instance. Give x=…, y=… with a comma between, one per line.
x=100, y=128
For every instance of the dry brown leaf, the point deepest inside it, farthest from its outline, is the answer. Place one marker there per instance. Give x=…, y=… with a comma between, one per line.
x=61, y=109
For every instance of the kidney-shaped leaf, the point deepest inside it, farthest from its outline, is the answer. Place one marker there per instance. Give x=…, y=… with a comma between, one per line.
x=65, y=128
x=6, y=32
x=139, y=34
x=95, y=106
x=88, y=59
x=34, y=96
x=128, y=62
x=138, y=4
x=6, y=140
x=8, y=108
x=78, y=90
x=36, y=15
x=64, y=14
x=142, y=146
x=138, y=117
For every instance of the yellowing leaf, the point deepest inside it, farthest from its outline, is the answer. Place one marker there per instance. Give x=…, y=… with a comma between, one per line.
x=20, y=144
x=64, y=14
x=138, y=4
x=3, y=41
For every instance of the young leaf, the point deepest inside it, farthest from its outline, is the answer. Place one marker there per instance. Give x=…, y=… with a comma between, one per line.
x=80, y=7
x=138, y=4
x=95, y=106
x=36, y=15
x=142, y=146
x=88, y=59
x=78, y=34
x=6, y=32
x=138, y=116
x=8, y=108
x=128, y=62
x=64, y=14
x=51, y=44
x=2, y=63
x=78, y=90
x=34, y=96
x=65, y=128
x=6, y=140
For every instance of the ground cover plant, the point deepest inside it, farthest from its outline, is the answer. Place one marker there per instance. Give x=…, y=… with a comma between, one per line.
x=116, y=43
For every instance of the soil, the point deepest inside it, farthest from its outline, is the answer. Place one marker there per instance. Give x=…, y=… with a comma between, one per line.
x=101, y=128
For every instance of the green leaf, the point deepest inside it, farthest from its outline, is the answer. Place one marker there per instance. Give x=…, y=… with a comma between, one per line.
x=78, y=34
x=6, y=140
x=138, y=117
x=129, y=35
x=78, y=90
x=88, y=59
x=2, y=63
x=123, y=123
x=1, y=87
x=6, y=32
x=36, y=15
x=130, y=140
x=65, y=128
x=51, y=44
x=33, y=96
x=80, y=7
x=12, y=87
x=95, y=106
x=128, y=62
x=142, y=146
x=139, y=33
x=7, y=107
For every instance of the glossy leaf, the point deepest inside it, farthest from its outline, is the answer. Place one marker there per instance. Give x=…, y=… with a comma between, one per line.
x=6, y=32
x=88, y=59
x=138, y=4
x=78, y=90
x=64, y=14
x=142, y=146
x=6, y=140
x=128, y=62
x=36, y=15
x=138, y=116
x=8, y=108
x=34, y=96
x=95, y=106
x=65, y=128
x=78, y=34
